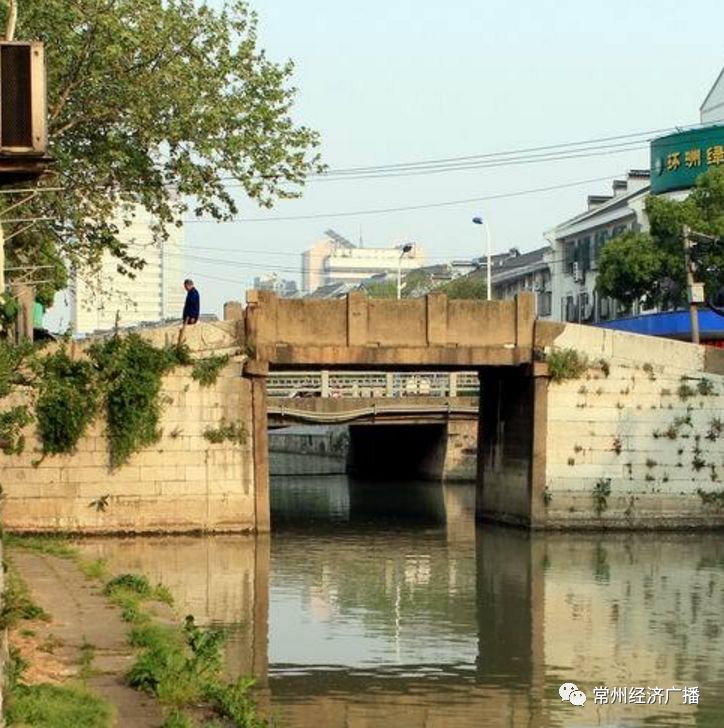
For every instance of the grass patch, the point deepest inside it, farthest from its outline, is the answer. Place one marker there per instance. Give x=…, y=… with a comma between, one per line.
x=566, y=364
x=48, y=545
x=129, y=591
x=53, y=706
x=93, y=568
x=182, y=668
x=18, y=604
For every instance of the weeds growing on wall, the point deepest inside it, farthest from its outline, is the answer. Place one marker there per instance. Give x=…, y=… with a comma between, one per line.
x=566, y=364
x=601, y=491
x=226, y=432
x=67, y=402
x=206, y=371
x=130, y=371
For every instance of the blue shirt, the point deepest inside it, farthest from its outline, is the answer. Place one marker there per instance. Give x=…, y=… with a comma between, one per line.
x=192, y=305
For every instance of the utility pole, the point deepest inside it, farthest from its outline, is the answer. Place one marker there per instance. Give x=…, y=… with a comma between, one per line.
x=694, y=290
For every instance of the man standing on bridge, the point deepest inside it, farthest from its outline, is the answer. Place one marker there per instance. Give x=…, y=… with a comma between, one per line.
x=192, y=308
x=193, y=304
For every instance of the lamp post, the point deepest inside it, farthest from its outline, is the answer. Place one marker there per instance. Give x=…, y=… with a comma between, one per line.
x=405, y=249
x=480, y=221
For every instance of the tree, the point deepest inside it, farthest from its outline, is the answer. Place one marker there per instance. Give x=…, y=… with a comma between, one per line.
x=650, y=266
x=160, y=103
x=381, y=289
x=471, y=286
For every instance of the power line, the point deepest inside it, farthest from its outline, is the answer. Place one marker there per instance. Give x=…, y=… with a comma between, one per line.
x=408, y=208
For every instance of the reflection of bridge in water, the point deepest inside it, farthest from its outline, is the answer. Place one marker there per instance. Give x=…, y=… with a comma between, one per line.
x=331, y=397
x=367, y=623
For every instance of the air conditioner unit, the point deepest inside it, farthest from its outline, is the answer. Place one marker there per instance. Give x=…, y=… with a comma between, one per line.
x=23, y=99
x=577, y=273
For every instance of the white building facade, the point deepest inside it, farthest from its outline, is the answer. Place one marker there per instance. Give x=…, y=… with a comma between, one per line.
x=576, y=245
x=336, y=260
x=712, y=110
x=102, y=297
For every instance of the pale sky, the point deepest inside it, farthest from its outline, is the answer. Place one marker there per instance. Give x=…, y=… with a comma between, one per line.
x=388, y=81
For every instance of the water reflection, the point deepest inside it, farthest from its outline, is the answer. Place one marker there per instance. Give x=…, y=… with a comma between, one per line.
x=363, y=619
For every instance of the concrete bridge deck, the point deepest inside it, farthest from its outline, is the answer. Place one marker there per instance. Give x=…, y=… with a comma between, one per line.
x=632, y=439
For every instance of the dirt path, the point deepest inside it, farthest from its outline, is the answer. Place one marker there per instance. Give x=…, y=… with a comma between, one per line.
x=81, y=615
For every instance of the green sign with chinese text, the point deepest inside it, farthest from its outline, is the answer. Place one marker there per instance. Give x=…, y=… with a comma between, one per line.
x=678, y=159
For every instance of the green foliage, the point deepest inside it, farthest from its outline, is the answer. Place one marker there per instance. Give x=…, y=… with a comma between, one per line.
x=67, y=402
x=183, y=667
x=381, y=289
x=226, y=432
x=12, y=421
x=157, y=103
x=57, y=706
x=601, y=492
x=206, y=371
x=135, y=583
x=48, y=545
x=9, y=310
x=651, y=266
x=17, y=603
x=685, y=391
x=712, y=498
x=178, y=671
x=466, y=287
x=130, y=370
x=129, y=591
x=627, y=266
x=417, y=283
x=705, y=387
x=566, y=364
x=12, y=360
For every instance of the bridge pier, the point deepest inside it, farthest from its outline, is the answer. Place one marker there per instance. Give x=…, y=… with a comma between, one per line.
x=512, y=444
x=257, y=373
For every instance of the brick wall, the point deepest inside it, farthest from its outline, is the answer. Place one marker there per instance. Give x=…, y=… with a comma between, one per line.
x=644, y=421
x=182, y=483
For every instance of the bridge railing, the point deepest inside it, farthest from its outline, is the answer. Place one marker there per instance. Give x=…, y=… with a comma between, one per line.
x=345, y=384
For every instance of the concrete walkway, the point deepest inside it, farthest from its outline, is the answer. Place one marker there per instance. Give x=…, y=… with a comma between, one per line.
x=82, y=615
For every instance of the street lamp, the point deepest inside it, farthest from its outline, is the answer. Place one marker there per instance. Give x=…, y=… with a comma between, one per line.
x=480, y=221
x=405, y=249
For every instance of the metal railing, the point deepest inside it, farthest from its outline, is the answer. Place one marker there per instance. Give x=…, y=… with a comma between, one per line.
x=346, y=384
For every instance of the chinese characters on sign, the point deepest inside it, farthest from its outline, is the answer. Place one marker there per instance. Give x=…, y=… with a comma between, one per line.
x=692, y=158
x=645, y=696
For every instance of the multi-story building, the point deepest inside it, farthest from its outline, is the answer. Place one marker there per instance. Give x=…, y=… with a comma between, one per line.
x=104, y=296
x=336, y=260
x=518, y=272
x=576, y=243
x=283, y=287
x=712, y=110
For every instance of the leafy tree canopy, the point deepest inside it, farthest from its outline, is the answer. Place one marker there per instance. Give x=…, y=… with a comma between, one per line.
x=160, y=103
x=650, y=266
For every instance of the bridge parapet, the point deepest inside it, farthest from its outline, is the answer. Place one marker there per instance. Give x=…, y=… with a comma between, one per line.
x=430, y=331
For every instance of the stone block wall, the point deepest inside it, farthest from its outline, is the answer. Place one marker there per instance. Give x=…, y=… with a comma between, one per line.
x=181, y=483
x=638, y=440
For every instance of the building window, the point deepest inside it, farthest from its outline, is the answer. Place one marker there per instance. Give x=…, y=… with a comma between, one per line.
x=570, y=309
x=569, y=256
x=545, y=303
x=584, y=253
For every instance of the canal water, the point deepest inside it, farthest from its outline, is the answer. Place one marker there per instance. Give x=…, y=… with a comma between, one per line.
x=382, y=604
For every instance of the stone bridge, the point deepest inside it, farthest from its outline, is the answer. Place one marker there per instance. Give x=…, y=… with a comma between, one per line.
x=631, y=437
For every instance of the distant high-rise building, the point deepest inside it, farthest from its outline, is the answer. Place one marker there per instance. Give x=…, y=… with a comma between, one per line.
x=104, y=296
x=334, y=259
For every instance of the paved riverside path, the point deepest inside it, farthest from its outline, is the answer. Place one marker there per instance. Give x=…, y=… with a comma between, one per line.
x=81, y=614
